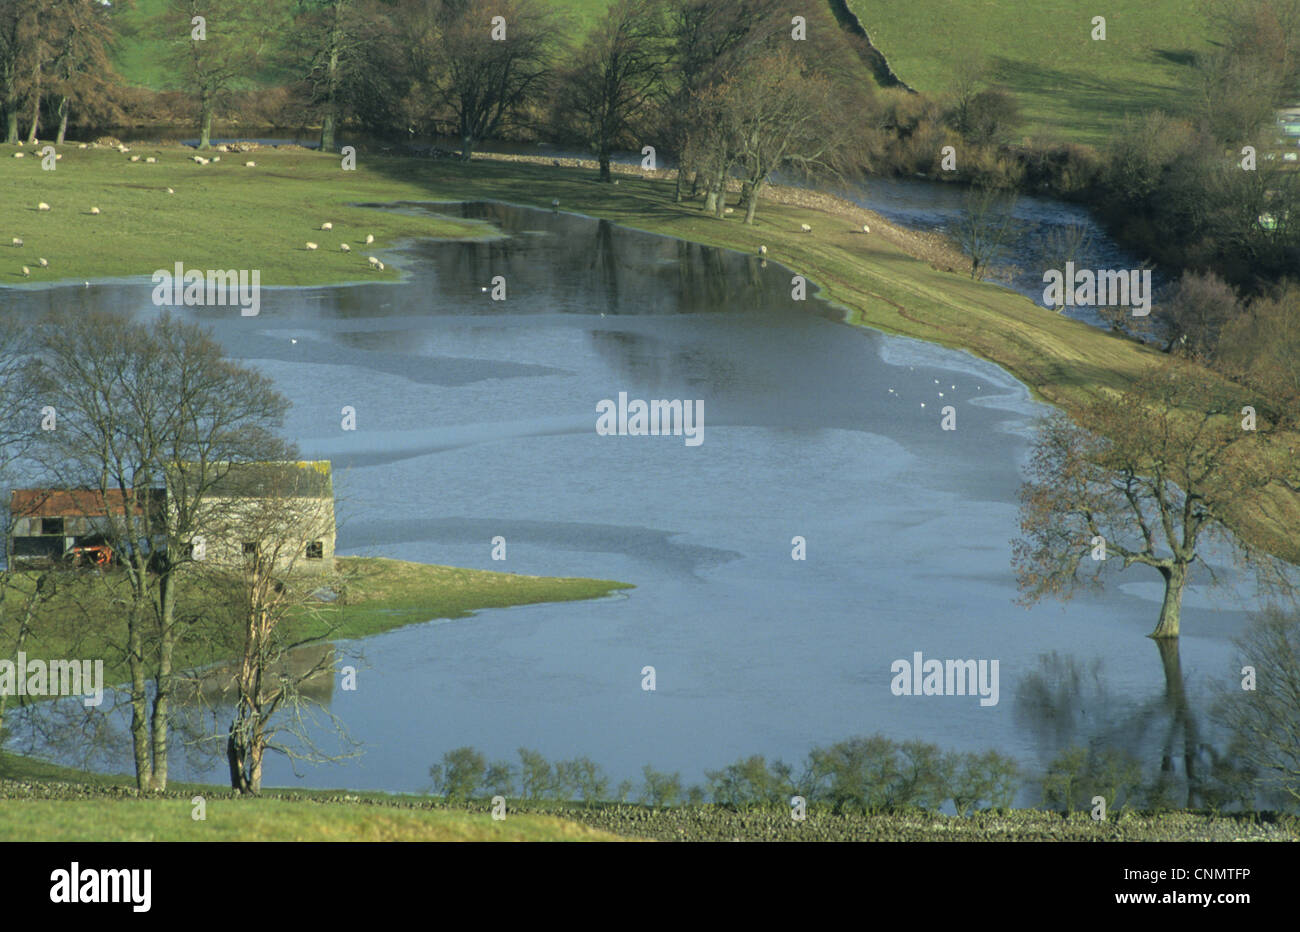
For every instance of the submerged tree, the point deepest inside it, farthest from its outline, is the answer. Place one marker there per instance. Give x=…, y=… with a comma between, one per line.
x=1150, y=478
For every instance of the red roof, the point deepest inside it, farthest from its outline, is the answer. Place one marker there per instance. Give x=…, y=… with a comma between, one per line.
x=64, y=503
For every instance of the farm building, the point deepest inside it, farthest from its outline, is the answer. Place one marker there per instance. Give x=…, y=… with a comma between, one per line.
x=279, y=512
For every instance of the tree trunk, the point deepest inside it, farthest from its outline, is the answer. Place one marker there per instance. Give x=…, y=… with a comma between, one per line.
x=1171, y=609
x=205, y=123
x=11, y=126
x=466, y=147
x=751, y=205
x=677, y=186
x=604, y=164
x=327, y=132
x=63, y=121
x=163, y=681
x=36, y=118
x=139, y=702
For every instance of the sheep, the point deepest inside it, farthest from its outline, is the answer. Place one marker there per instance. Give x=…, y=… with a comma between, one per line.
x=250, y=165
x=18, y=155
x=134, y=158
x=27, y=273
x=311, y=245
x=865, y=228
x=344, y=247
x=43, y=263
x=327, y=227
x=805, y=227
x=150, y=160
x=370, y=238
x=170, y=191
x=82, y=146
x=42, y=206
x=18, y=242
x=374, y=263
x=94, y=211
x=729, y=210
x=762, y=250
x=555, y=203
x=381, y=266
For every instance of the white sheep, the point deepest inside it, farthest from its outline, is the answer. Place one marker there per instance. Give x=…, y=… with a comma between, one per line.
x=370, y=238
x=82, y=146
x=135, y=158
x=18, y=155
x=762, y=250
x=250, y=164
x=170, y=191
x=327, y=227
x=94, y=211
x=150, y=160
x=374, y=263
x=805, y=227
x=42, y=206
x=311, y=245
x=27, y=273
x=344, y=247
x=17, y=242
x=865, y=228
x=44, y=263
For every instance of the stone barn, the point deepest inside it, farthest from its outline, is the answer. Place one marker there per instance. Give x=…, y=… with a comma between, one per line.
x=280, y=512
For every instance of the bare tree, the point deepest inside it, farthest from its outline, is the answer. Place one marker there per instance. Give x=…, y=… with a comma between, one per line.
x=233, y=39
x=150, y=418
x=263, y=525
x=1149, y=477
x=611, y=85
x=475, y=83
x=985, y=228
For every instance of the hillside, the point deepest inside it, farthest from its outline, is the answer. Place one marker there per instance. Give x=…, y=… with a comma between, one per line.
x=1070, y=87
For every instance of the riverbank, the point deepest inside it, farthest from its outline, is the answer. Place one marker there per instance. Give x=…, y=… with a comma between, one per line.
x=891, y=279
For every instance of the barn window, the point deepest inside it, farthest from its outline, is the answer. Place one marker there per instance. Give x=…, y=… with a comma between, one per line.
x=316, y=550
x=51, y=526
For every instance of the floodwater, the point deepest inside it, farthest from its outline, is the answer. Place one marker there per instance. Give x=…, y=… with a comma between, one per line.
x=476, y=419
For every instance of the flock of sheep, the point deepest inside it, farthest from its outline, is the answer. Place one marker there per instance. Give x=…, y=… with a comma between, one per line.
x=42, y=207
x=327, y=227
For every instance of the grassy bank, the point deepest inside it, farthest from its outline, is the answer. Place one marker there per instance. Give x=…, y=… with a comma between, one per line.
x=64, y=810
x=878, y=278
x=80, y=619
x=1070, y=87
x=270, y=820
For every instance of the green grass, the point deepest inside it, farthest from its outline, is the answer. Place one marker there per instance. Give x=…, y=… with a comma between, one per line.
x=1070, y=87
x=270, y=820
x=83, y=618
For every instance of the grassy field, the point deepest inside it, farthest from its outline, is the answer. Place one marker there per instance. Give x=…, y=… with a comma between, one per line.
x=377, y=595
x=1070, y=87
x=270, y=820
